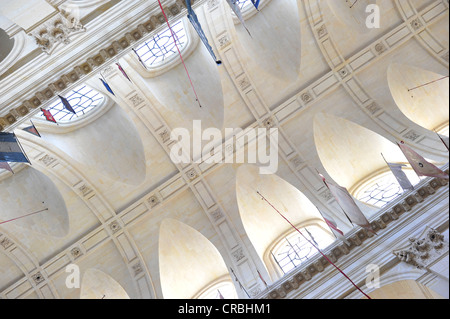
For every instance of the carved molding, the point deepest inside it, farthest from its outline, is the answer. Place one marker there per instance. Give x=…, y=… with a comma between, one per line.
x=57, y=30
x=423, y=250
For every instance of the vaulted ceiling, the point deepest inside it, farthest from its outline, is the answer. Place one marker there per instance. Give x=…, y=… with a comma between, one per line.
x=124, y=212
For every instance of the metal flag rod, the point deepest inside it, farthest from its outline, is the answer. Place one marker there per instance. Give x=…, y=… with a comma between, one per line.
x=179, y=53
x=10, y=220
x=263, y=198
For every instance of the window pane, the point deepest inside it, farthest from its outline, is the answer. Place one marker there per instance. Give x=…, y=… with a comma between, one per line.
x=162, y=46
x=383, y=189
x=82, y=99
x=294, y=249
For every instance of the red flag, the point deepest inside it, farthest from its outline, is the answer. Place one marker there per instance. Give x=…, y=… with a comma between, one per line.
x=123, y=72
x=348, y=205
x=32, y=129
x=48, y=115
x=262, y=279
x=333, y=227
x=5, y=165
x=420, y=165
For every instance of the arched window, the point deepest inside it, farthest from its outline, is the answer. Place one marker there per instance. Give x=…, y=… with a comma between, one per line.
x=162, y=47
x=83, y=99
x=293, y=250
x=383, y=188
x=243, y=4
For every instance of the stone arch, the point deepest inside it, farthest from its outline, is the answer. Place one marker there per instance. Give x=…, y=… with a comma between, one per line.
x=185, y=255
x=425, y=105
x=263, y=225
x=96, y=284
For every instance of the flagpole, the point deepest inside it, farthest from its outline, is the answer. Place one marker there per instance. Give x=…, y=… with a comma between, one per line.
x=313, y=245
x=240, y=285
x=179, y=52
x=7, y=221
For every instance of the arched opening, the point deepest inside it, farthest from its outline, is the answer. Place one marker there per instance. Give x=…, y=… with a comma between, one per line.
x=355, y=157
x=29, y=191
x=98, y=285
x=270, y=53
x=189, y=263
x=170, y=84
x=102, y=127
x=421, y=95
x=263, y=225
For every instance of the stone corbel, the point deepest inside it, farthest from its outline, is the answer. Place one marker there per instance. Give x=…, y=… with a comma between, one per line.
x=424, y=250
x=56, y=30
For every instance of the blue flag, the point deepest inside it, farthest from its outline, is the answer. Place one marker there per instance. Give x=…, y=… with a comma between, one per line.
x=107, y=87
x=10, y=149
x=256, y=4
x=192, y=16
x=66, y=104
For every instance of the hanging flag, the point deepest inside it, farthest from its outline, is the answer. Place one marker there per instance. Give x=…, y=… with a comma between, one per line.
x=139, y=58
x=334, y=228
x=123, y=72
x=192, y=16
x=401, y=177
x=48, y=115
x=10, y=149
x=444, y=140
x=108, y=88
x=235, y=7
x=262, y=279
x=256, y=4
x=420, y=165
x=32, y=129
x=66, y=104
x=348, y=205
x=5, y=165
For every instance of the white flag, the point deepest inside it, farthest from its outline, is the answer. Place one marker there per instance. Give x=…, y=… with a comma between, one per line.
x=235, y=7
x=347, y=203
x=401, y=177
x=420, y=165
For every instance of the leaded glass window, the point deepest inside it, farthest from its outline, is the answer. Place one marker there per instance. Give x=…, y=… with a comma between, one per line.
x=383, y=189
x=294, y=249
x=243, y=4
x=83, y=99
x=162, y=46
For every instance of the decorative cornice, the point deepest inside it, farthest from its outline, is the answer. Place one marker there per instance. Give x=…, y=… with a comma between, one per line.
x=334, y=252
x=117, y=48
